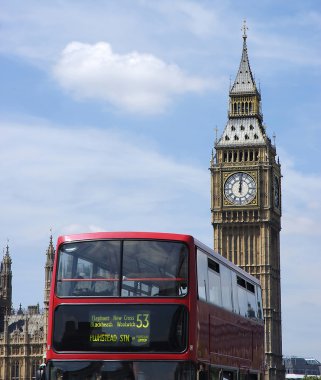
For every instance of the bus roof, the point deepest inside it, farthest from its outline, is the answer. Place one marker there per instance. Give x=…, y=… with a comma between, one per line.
x=225, y=262
x=124, y=235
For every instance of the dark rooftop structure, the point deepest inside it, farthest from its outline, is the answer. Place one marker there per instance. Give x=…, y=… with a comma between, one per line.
x=300, y=367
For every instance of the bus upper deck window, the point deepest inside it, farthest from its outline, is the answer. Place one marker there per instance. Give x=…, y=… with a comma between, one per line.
x=154, y=268
x=129, y=268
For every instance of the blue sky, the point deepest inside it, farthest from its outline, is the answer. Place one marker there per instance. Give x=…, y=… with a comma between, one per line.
x=108, y=112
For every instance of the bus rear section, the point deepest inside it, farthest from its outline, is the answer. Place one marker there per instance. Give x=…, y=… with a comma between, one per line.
x=230, y=341
x=126, y=306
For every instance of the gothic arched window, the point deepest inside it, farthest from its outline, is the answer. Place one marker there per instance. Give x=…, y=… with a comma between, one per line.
x=15, y=369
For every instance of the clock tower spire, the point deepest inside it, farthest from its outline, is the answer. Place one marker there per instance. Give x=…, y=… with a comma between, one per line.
x=246, y=202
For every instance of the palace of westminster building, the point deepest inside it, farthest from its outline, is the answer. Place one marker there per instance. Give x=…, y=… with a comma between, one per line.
x=246, y=218
x=22, y=333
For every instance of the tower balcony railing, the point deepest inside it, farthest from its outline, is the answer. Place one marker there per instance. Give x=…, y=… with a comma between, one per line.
x=232, y=114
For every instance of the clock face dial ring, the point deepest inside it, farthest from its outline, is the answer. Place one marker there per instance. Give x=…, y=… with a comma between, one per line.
x=240, y=188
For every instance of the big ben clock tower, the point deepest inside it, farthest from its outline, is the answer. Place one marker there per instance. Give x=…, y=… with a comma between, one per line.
x=246, y=203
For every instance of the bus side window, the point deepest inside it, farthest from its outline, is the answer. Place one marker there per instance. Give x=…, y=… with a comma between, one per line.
x=226, y=283
x=214, y=282
x=236, y=307
x=242, y=296
x=246, y=298
x=251, y=300
x=202, y=279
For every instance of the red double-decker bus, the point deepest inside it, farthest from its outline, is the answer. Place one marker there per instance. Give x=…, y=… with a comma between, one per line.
x=151, y=306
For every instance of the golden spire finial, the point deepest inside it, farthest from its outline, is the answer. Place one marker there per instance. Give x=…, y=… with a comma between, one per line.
x=244, y=28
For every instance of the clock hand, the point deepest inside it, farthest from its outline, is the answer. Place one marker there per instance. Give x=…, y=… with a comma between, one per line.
x=240, y=187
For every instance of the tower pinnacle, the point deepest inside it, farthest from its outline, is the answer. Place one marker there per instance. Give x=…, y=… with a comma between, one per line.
x=244, y=28
x=244, y=82
x=245, y=119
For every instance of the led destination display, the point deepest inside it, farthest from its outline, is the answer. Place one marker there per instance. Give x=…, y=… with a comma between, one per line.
x=120, y=328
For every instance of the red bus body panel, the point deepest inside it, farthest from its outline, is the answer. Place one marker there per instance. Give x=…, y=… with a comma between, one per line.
x=215, y=335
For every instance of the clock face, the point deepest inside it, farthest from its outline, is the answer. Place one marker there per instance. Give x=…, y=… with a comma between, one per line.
x=276, y=192
x=240, y=188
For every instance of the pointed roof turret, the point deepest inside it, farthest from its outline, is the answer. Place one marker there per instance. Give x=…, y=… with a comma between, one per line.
x=7, y=260
x=244, y=125
x=20, y=311
x=244, y=82
x=50, y=253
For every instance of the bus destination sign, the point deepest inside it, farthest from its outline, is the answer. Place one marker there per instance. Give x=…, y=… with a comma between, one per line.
x=119, y=328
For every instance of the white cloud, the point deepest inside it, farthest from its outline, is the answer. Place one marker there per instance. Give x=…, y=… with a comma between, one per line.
x=135, y=82
x=301, y=203
x=89, y=180
x=92, y=178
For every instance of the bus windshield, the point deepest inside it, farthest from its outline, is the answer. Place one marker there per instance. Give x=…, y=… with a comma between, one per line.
x=122, y=268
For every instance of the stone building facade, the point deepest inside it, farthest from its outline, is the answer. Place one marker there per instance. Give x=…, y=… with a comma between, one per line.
x=22, y=333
